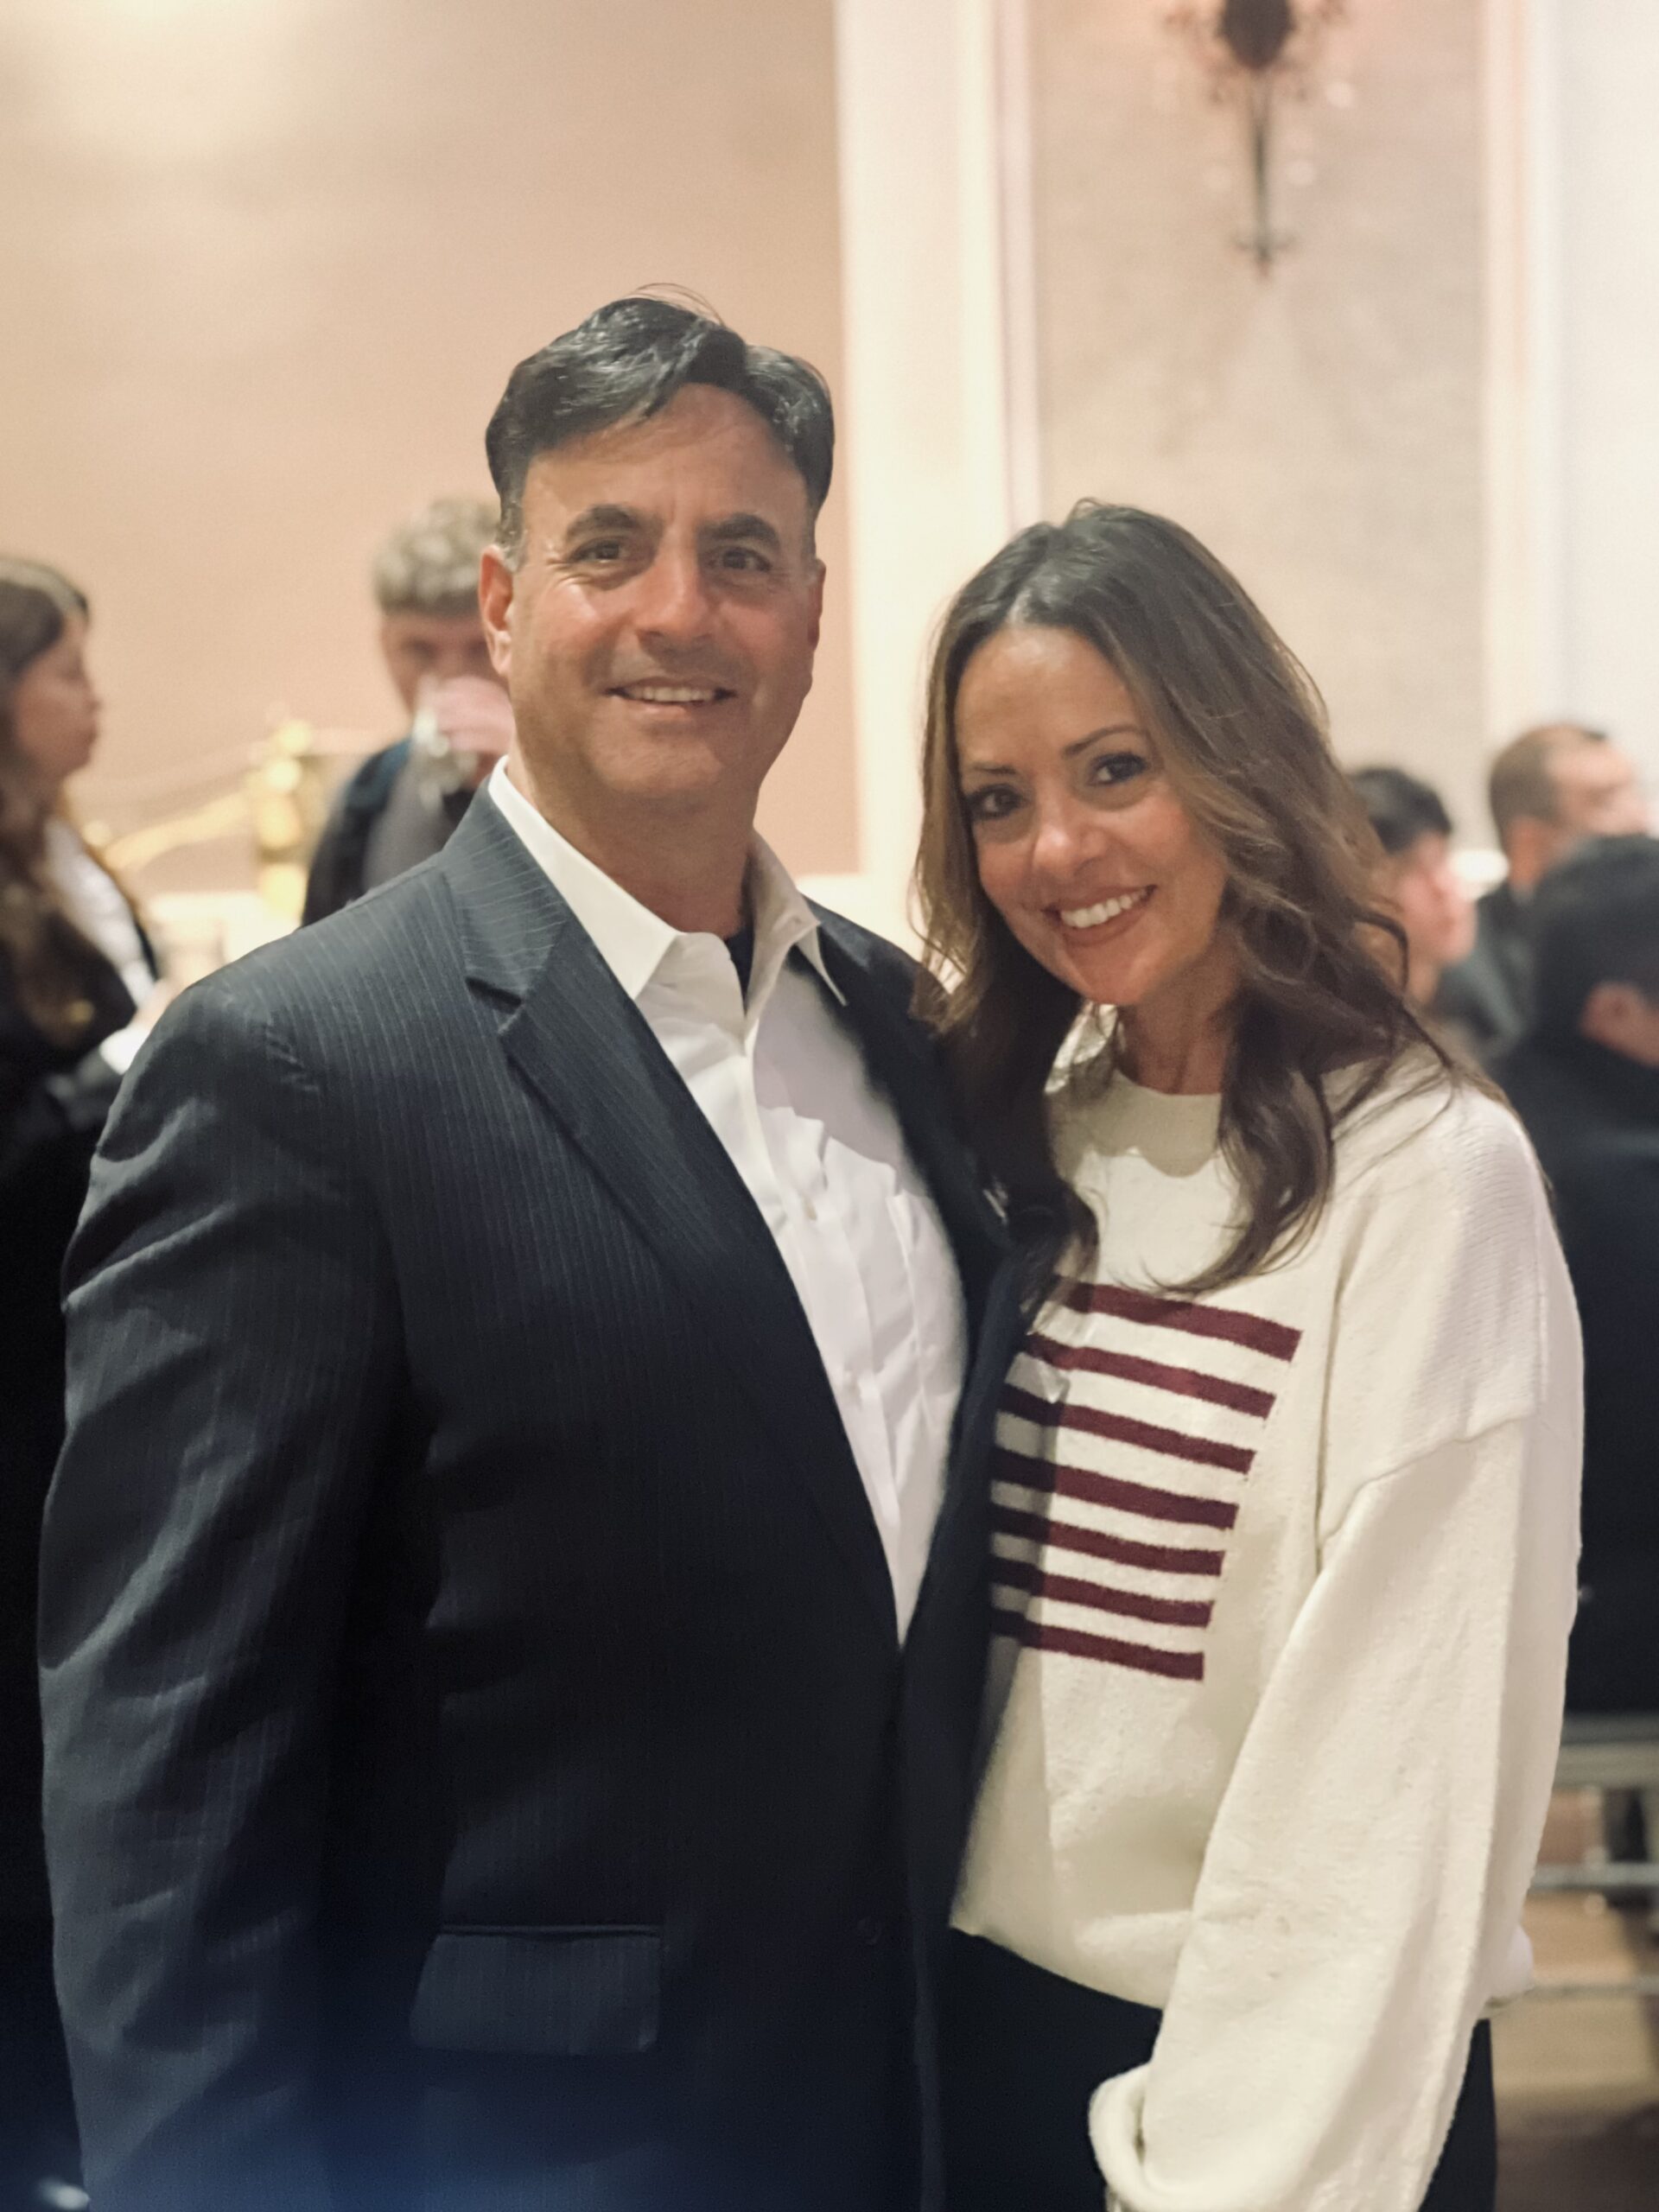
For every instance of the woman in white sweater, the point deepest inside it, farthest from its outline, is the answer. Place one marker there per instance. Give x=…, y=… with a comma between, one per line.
x=1285, y=1508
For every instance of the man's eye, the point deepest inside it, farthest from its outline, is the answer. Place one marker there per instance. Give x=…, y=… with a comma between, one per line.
x=744, y=560
x=600, y=549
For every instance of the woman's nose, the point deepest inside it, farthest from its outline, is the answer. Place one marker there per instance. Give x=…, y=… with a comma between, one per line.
x=1065, y=837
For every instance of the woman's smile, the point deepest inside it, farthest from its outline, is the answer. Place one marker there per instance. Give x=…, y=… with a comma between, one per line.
x=1101, y=917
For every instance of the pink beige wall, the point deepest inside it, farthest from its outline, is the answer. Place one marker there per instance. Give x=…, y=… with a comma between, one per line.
x=1322, y=428
x=264, y=266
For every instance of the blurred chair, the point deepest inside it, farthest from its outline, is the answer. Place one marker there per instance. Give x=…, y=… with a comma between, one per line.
x=1616, y=1756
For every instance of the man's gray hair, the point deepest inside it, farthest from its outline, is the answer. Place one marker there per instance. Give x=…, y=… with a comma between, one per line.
x=626, y=364
x=429, y=564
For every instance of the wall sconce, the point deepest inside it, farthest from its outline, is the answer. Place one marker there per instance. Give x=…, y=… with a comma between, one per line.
x=1256, y=48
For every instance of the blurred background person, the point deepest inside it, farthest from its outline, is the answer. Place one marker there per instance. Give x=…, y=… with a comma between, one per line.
x=402, y=803
x=1585, y=1080
x=1550, y=788
x=1419, y=883
x=75, y=969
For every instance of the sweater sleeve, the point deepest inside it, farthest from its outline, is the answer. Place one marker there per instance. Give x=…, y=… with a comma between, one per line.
x=1362, y=1888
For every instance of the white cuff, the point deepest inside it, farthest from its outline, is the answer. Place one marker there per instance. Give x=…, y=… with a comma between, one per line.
x=120, y=1048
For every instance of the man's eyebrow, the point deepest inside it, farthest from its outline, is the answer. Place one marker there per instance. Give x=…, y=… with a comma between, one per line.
x=605, y=518
x=1007, y=768
x=751, y=529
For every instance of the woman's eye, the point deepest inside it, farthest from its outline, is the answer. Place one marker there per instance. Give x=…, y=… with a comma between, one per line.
x=1116, y=767
x=991, y=803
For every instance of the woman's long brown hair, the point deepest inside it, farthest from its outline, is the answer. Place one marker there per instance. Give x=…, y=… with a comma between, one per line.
x=42, y=946
x=1240, y=733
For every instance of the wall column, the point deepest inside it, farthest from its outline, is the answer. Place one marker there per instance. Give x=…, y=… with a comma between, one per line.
x=930, y=465
x=1572, y=447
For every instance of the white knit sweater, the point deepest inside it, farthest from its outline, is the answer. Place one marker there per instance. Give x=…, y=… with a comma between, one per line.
x=1283, y=1582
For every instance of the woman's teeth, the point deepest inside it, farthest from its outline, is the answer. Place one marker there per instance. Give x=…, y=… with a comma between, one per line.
x=1091, y=918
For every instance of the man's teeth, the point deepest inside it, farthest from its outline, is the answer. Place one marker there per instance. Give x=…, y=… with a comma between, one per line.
x=1091, y=918
x=672, y=694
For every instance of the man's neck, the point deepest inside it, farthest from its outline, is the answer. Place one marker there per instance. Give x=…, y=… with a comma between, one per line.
x=686, y=869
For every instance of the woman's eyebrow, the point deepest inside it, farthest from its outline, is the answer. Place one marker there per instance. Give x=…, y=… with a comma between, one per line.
x=1007, y=768
x=1107, y=729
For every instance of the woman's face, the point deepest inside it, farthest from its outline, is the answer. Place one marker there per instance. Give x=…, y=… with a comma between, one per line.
x=54, y=709
x=1083, y=846
x=1426, y=891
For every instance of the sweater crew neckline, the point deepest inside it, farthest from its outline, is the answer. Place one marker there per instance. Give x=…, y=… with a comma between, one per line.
x=1173, y=1131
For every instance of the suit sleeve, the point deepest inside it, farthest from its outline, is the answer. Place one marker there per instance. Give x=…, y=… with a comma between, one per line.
x=233, y=1360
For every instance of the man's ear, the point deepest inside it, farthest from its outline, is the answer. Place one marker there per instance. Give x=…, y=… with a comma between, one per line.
x=1530, y=848
x=816, y=590
x=1611, y=1014
x=495, y=582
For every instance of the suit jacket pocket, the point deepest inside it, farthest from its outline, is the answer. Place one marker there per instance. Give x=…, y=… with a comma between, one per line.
x=541, y=1991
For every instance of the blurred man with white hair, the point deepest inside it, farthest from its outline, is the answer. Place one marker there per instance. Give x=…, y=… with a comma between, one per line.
x=402, y=803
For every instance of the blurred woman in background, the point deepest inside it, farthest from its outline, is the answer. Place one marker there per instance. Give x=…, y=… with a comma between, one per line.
x=1285, y=1501
x=75, y=969
x=1418, y=882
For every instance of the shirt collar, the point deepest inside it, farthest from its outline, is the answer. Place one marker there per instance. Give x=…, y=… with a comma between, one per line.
x=632, y=941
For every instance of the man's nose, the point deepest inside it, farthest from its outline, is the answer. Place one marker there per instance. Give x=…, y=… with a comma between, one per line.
x=672, y=599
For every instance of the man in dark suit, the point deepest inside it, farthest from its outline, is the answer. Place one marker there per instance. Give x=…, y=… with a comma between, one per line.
x=1585, y=1081
x=514, y=1603
x=1550, y=788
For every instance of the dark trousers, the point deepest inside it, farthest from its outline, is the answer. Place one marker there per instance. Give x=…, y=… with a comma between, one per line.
x=1024, y=2051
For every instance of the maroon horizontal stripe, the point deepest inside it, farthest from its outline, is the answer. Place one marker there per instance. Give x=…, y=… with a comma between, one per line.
x=1250, y=1329
x=1067, y=1536
x=1173, y=1443
x=1184, y=1666
x=1185, y=1382
x=1111, y=1490
x=1072, y=1590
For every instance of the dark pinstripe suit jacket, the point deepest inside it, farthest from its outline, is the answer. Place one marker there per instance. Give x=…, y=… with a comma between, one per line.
x=482, y=1771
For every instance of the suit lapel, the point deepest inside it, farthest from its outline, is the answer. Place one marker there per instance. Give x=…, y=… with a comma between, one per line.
x=586, y=1051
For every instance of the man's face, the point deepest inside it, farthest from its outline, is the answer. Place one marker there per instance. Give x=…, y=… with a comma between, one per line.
x=1597, y=794
x=418, y=645
x=656, y=635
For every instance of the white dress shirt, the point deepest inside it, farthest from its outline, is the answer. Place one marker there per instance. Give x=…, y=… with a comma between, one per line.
x=783, y=1084
x=97, y=906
